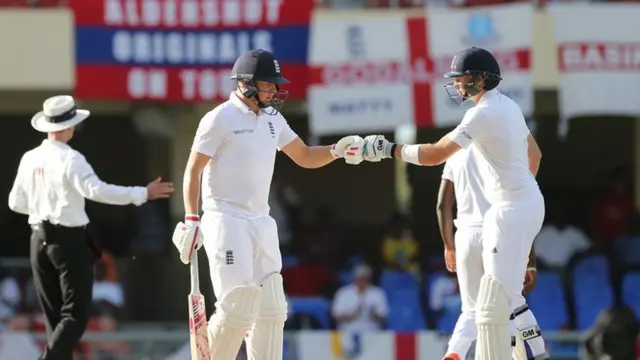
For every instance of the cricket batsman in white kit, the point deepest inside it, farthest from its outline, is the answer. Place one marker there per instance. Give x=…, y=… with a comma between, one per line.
x=496, y=126
x=234, y=150
x=462, y=185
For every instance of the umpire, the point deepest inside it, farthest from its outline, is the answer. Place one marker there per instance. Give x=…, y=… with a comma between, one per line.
x=52, y=183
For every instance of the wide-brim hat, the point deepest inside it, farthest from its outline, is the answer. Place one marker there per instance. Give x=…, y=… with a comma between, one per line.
x=58, y=113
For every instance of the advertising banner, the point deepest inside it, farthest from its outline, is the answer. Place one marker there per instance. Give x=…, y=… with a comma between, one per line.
x=376, y=71
x=505, y=30
x=183, y=50
x=384, y=345
x=599, y=61
x=362, y=72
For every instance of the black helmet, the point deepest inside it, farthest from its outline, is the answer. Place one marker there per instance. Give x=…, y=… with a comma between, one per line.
x=260, y=65
x=478, y=64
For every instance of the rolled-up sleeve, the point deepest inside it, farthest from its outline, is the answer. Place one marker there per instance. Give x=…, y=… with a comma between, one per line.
x=209, y=136
x=286, y=134
x=447, y=172
x=474, y=126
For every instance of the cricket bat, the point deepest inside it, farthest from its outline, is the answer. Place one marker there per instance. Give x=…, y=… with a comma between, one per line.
x=197, y=315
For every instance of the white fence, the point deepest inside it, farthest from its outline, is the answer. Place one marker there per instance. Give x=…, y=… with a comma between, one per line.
x=299, y=345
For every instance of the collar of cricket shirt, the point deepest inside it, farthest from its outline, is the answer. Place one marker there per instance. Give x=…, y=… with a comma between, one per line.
x=237, y=102
x=48, y=142
x=488, y=95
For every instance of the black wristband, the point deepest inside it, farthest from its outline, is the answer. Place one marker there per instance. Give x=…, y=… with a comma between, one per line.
x=393, y=151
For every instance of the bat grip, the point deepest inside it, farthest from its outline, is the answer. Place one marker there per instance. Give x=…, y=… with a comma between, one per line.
x=195, y=278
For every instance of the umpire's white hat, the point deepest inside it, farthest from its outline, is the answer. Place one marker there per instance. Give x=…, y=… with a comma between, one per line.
x=58, y=113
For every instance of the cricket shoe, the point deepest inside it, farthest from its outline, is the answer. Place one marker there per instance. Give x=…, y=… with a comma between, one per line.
x=451, y=356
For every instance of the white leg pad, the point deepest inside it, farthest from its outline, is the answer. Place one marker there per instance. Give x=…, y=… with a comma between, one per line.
x=492, y=320
x=266, y=340
x=234, y=316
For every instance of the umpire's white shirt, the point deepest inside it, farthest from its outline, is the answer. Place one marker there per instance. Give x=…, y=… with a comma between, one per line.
x=242, y=146
x=52, y=182
x=498, y=129
x=462, y=169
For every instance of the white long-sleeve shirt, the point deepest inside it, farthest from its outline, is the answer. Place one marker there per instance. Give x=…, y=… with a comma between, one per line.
x=52, y=182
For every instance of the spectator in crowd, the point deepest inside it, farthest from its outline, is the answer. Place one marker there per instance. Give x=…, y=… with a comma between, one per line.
x=109, y=266
x=30, y=302
x=558, y=241
x=445, y=294
x=103, y=321
x=399, y=248
x=309, y=278
x=10, y=296
x=22, y=345
x=361, y=306
x=611, y=211
x=108, y=296
x=627, y=247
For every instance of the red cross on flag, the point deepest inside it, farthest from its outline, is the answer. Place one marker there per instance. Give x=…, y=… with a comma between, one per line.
x=373, y=72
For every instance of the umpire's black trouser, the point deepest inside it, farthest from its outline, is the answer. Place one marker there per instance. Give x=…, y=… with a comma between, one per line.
x=62, y=266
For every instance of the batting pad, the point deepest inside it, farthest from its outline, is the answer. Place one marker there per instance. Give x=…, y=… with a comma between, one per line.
x=234, y=316
x=266, y=339
x=492, y=320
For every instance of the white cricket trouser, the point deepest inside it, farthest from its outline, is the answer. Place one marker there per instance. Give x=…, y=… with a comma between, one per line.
x=240, y=251
x=508, y=232
x=469, y=270
x=509, y=229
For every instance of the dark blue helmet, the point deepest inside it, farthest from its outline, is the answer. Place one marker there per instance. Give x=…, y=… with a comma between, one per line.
x=478, y=64
x=260, y=65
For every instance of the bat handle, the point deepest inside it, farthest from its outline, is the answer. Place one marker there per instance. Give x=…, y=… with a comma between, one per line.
x=195, y=278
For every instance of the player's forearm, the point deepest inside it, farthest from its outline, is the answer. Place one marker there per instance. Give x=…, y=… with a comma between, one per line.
x=316, y=157
x=191, y=191
x=444, y=211
x=422, y=154
x=534, y=165
x=534, y=154
x=532, y=258
x=445, y=222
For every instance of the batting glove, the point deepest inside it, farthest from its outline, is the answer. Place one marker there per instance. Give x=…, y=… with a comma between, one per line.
x=376, y=148
x=350, y=148
x=187, y=237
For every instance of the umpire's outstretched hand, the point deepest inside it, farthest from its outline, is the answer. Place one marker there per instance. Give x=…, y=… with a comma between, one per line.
x=158, y=189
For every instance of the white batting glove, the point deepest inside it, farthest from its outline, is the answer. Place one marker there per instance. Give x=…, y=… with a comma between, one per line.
x=187, y=237
x=376, y=148
x=350, y=148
